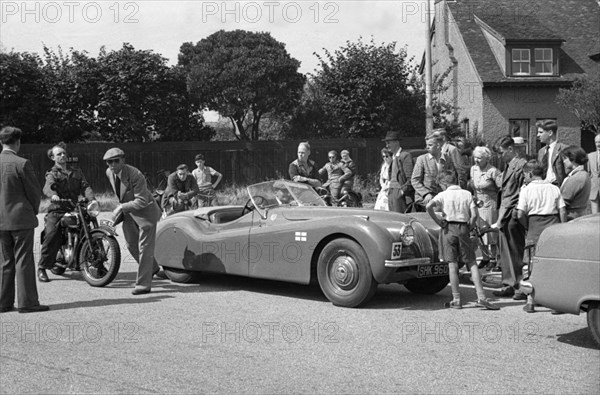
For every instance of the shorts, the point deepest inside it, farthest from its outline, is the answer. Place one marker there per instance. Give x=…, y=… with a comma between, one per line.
x=455, y=243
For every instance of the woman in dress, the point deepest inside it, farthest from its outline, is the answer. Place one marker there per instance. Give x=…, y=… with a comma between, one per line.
x=384, y=180
x=486, y=181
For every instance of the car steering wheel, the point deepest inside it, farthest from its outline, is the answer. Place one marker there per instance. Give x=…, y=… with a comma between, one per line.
x=248, y=207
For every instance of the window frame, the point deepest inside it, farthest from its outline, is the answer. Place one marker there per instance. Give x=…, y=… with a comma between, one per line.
x=531, y=49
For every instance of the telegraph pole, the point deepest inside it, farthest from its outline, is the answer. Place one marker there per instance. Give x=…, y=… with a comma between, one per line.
x=428, y=87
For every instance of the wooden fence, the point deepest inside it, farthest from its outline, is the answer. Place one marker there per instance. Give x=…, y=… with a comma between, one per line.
x=240, y=162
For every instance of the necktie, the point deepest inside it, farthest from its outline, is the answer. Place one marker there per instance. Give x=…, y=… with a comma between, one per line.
x=117, y=186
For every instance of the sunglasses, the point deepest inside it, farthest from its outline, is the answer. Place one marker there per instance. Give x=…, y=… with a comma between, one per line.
x=111, y=161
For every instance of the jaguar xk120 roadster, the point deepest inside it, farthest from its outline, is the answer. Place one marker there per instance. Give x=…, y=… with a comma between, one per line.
x=286, y=232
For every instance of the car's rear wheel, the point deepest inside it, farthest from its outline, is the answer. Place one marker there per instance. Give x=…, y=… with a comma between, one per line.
x=344, y=273
x=593, y=320
x=180, y=275
x=427, y=286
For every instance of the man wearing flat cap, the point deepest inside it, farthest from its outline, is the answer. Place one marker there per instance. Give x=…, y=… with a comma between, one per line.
x=140, y=215
x=400, y=172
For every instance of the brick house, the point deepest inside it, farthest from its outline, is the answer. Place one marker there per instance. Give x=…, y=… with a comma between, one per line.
x=508, y=59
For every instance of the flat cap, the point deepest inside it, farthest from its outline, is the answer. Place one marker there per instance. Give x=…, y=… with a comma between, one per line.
x=113, y=153
x=392, y=135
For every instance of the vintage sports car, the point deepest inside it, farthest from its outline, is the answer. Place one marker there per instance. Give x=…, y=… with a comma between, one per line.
x=286, y=232
x=565, y=270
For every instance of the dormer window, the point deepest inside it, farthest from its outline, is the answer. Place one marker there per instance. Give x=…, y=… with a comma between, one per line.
x=533, y=61
x=521, y=60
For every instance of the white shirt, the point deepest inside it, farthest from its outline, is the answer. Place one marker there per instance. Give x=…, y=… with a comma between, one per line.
x=540, y=197
x=455, y=202
x=550, y=176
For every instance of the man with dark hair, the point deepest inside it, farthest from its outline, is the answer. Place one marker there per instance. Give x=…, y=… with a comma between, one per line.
x=206, y=188
x=452, y=152
x=400, y=190
x=62, y=182
x=550, y=156
x=182, y=190
x=140, y=215
x=19, y=203
x=575, y=189
x=427, y=168
x=512, y=245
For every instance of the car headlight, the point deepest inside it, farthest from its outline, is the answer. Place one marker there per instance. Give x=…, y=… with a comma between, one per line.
x=93, y=208
x=407, y=235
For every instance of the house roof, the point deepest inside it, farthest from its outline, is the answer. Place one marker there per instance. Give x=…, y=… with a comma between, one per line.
x=575, y=23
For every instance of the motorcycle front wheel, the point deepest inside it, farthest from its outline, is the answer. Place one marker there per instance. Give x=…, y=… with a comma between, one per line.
x=100, y=264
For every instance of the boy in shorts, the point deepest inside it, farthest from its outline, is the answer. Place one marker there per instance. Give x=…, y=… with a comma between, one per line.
x=458, y=215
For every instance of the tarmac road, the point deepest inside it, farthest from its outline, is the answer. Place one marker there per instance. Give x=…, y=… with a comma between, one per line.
x=236, y=335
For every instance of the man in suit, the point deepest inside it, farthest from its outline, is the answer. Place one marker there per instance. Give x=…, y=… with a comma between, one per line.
x=550, y=156
x=513, y=242
x=402, y=167
x=140, y=216
x=428, y=166
x=19, y=203
x=594, y=170
x=452, y=152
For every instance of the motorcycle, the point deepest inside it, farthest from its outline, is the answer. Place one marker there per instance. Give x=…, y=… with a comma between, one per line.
x=88, y=245
x=348, y=198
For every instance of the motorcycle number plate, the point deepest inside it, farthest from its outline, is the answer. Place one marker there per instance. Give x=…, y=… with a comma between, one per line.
x=106, y=222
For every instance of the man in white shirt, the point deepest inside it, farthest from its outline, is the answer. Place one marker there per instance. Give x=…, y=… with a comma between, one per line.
x=550, y=155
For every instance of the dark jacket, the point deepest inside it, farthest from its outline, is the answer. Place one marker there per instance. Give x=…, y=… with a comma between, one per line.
x=19, y=193
x=66, y=184
x=558, y=166
x=401, y=171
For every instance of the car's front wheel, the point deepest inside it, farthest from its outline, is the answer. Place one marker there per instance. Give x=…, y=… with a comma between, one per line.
x=593, y=320
x=180, y=275
x=427, y=286
x=344, y=273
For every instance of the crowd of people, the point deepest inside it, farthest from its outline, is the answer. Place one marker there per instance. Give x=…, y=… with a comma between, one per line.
x=488, y=187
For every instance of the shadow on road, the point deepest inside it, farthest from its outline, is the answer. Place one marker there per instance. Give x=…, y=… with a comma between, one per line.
x=107, y=302
x=579, y=338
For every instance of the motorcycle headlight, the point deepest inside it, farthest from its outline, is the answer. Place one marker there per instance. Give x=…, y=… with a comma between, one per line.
x=93, y=208
x=407, y=235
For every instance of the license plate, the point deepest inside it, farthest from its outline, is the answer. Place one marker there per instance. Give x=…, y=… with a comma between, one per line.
x=396, y=250
x=439, y=269
x=106, y=222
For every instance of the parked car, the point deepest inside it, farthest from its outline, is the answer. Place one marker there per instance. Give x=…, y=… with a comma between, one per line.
x=286, y=232
x=565, y=270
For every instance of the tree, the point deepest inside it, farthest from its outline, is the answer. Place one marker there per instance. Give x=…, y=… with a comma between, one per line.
x=242, y=75
x=23, y=94
x=142, y=99
x=583, y=100
x=72, y=82
x=362, y=90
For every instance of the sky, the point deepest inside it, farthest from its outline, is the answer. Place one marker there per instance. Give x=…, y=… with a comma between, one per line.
x=304, y=26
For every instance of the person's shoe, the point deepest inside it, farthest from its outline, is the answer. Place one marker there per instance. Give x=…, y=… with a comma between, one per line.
x=140, y=291
x=160, y=274
x=485, y=303
x=6, y=309
x=505, y=292
x=519, y=296
x=529, y=308
x=42, y=276
x=483, y=263
x=453, y=305
x=555, y=312
x=34, y=309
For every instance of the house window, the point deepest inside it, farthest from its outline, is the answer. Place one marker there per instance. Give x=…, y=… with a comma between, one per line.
x=543, y=61
x=464, y=125
x=520, y=62
x=519, y=128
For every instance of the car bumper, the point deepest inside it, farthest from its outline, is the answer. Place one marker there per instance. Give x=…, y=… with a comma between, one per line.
x=407, y=262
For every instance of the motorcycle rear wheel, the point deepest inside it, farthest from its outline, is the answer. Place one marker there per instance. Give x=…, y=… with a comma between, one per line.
x=100, y=265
